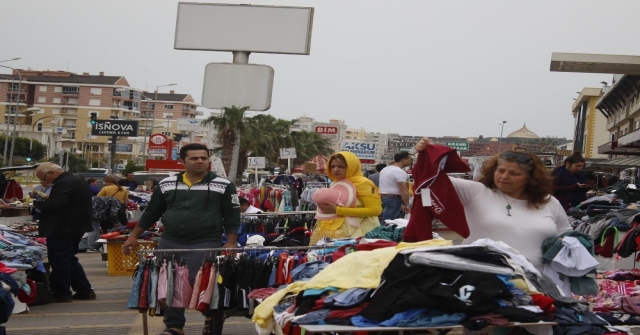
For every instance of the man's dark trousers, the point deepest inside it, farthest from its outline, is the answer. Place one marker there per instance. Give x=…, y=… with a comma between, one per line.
x=66, y=270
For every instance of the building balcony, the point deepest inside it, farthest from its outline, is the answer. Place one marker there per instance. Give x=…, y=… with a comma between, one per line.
x=608, y=148
x=630, y=139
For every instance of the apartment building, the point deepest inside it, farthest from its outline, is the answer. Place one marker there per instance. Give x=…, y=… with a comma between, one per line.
x=590, y=126
x=65, y=101
x=620, y=104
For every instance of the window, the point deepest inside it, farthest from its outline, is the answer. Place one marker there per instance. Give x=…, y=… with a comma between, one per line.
x=94, y=102
x=168, y=106
x=56, y=100
x=166, y=133
x=57, y=89
x=55, y=111
x=43, y=89
x=70, y=90
x=96, y=91
x=42, y=99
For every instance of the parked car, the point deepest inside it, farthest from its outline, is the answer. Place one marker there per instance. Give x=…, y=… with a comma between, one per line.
x=155, y=176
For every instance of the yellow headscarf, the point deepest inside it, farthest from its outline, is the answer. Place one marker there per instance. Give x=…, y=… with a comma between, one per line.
x=364, y=186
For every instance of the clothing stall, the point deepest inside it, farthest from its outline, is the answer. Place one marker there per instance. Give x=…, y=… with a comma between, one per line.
x=225, y=281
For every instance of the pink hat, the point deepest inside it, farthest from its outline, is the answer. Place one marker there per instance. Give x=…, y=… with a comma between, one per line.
x=341, y=193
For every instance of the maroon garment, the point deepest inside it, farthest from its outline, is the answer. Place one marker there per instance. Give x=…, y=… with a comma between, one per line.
x=347, y=313
x=430, y=171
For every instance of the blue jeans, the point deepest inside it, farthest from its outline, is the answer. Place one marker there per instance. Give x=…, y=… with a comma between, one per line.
x=94, y=235
x=66, y=272
x=392, y=208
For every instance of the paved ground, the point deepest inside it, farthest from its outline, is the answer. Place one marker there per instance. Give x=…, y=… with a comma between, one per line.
x=108, y=314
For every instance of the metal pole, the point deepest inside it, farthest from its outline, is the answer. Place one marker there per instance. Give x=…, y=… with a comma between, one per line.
x=153, y=120
x=500, y=139
x=114, y=139
x=15, y=120
x=239, y=57
x=7, y=116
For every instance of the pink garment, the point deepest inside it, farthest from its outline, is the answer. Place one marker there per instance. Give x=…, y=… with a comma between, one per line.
x=195, y=291
x=162, y=285
x=182, y=290
x=262, y=293
x=610, y=294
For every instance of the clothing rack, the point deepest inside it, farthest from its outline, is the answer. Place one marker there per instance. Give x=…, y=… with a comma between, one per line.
x=142, y=255
x=276, y=213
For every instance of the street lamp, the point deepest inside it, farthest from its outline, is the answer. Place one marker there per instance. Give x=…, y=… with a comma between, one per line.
x=500, y=139
x=15, y=124
x=6, y=138
x=153, y=122
x=8, y=60
x=13, y=139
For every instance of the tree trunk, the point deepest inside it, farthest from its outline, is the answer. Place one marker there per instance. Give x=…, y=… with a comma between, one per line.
x=233, y=169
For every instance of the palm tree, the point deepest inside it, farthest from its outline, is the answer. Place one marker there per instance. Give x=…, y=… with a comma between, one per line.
x=309, y=144
x=230, y=126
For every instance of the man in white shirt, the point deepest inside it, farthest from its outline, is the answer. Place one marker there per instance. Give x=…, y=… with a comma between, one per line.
x=394, y=189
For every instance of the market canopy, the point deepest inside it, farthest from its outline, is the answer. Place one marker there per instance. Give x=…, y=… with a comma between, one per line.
x=319, y=161
x=625, y=162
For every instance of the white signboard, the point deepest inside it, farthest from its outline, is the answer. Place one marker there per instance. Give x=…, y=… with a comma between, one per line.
x=361, y=149
x=286, y=153
x=256, y=163
x=227, y=85
x=191, y=125
x=157, y=151
x=269, y=29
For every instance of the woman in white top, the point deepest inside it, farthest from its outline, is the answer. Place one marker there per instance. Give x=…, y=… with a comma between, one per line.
x=511, y=202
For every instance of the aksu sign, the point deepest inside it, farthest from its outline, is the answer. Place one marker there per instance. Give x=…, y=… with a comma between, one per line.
x=362, y=150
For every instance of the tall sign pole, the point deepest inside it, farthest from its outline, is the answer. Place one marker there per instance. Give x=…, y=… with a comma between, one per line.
x=206, y=27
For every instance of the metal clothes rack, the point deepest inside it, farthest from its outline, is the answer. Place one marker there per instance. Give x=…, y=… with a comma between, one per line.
x=142, y=256
x=276, y=213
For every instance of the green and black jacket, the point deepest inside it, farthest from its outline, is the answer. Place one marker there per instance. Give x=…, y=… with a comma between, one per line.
x=202, y=212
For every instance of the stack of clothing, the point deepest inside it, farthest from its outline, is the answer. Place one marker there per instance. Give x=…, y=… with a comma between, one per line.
x=435, y=284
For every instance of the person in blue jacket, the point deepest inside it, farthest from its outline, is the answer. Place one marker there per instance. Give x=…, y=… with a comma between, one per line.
x=569, y=184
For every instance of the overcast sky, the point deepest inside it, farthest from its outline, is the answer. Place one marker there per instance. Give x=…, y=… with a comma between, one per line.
x=410, y=67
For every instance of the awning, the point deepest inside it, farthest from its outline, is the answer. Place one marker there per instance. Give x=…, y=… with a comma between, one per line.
x=625, y=162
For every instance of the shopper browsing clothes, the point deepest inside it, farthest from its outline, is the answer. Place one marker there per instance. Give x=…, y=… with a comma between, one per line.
x=510, y=203
x=394, y=187
x=350, y=207
x=569, y=184
x=65, y=217
x=196, y=207
x=40, y=192
x=113, y=189
x=129, y=182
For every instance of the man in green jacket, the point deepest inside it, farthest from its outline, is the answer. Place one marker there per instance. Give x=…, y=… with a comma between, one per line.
x=196, y=207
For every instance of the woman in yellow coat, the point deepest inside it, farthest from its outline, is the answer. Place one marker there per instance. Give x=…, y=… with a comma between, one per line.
x=112, y=189
x=349, y=221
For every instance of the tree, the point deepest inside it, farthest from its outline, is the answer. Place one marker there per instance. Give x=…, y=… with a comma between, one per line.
x=131, y=167
x=21, y=148
x=76, y=163
x=308, y=144
x=261, y=136
x=230, y=126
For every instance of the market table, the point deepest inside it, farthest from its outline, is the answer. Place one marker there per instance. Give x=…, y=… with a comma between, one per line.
x=440, y=330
